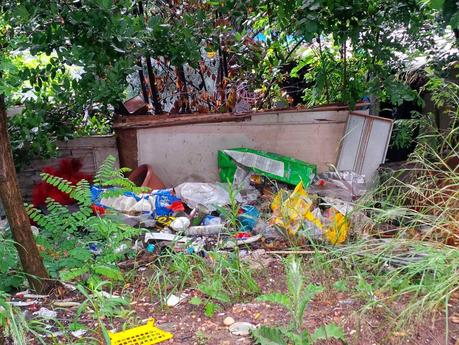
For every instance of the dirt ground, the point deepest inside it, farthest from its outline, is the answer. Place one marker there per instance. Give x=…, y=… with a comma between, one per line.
x=330, y=306
x=191, y=327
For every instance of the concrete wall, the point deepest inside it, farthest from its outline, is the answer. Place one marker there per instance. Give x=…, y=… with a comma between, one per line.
x=188, y=152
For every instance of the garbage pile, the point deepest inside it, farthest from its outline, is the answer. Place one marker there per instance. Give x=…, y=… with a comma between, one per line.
x=261, y=197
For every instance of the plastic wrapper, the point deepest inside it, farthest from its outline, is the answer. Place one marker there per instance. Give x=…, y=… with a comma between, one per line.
x=274, y=166
x=345, y=185
x=296, y=214
x=210, y=195
x=157, y=203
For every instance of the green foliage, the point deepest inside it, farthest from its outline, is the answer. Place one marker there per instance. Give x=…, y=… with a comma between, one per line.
x=11, y=277
x=296, y=302
x=66, y=235
x=103, y=304
x=344, y=49
x=11, y=321
x=67, y=63
x=221, y=278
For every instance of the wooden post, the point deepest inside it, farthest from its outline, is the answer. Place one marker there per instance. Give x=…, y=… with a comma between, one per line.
x=18, y=220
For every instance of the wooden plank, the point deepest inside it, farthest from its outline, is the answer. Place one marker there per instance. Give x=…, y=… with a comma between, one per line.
x=127, y=148
x=168, y=121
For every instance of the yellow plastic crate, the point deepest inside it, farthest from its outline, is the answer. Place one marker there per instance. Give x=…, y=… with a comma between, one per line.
x=142, y=335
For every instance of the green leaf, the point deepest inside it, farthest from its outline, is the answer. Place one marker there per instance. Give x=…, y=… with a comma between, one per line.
x=195, y=301
x=268, y=336
x=327, y=332
x=109, y=271
x=436, y=4
x=340, y=285
x=22, y=12
x=74, y=273
x=210, y=309
x=276, y=298
x=214, y=291
x=80, y=253
x=454, y=21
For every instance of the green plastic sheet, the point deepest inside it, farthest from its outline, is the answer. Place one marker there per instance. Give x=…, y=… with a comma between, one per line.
x=272, y=165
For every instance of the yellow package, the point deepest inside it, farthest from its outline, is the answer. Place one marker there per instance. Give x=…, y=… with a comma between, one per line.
x=291, y=211
x=336, y=232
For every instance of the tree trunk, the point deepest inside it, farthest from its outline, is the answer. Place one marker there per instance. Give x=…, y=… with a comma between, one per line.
x=18, y=220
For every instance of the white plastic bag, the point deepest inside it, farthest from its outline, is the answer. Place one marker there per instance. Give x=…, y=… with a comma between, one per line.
x=210, y=195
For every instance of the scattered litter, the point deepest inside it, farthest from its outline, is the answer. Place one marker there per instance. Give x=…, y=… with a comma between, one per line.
x=241, y=328
x=45, y=313
x=160, y=236
x=66, y=304
x=33, y=296
x=180, y=224
x=211, y=220
x=122, y=248
x=174, y=300
x=69, y=286
x=344, y=185
x=210, y=195
x=108, y=295
x=3, y=224
x=248, y=218
x=145, y=335
x=35, y=230
x=257, y=259
x=157, y=203
x=79, y=333
x=295, y=212
x=233, y=243
x=150, y=248
x=205, y=230
x=22, y=303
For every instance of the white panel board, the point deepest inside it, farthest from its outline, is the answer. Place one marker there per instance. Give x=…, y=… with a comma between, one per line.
x=189, y=152
x=364, y=145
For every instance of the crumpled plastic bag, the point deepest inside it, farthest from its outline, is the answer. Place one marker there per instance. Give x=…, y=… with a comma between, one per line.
x=210, y=195
x=344, y=185
x=296, y=214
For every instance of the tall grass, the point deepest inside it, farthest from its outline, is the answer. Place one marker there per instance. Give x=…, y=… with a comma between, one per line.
x=412, y=253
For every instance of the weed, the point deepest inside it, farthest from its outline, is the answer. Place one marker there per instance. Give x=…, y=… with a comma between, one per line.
x=296, y=302
x=220, y=277
x=201, y=338
x=341, y=285
x=231, y=213
x=103, y=305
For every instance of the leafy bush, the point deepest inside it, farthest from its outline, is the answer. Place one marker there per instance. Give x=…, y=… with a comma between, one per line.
x=66, y=236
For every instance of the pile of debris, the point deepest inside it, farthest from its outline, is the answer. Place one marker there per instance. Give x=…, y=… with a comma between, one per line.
x=262, y=199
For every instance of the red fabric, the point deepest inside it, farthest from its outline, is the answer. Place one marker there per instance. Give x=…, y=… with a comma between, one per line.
x=68, y=169
x=99, y=210
x=241, y=235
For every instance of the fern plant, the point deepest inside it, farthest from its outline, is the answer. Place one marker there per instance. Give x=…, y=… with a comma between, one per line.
x=296, y=302
x=66, y=235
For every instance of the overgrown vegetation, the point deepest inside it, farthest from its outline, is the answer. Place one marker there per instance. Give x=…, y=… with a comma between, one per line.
x=68, y=67
x=71, y=76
